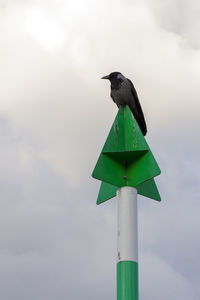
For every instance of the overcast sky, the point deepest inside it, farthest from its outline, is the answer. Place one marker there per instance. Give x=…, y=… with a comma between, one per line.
x=55, y=114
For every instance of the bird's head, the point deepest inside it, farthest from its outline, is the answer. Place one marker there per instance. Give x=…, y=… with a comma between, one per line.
x=114, y=76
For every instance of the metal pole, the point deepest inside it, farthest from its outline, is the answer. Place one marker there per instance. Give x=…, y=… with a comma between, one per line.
x=127, y=265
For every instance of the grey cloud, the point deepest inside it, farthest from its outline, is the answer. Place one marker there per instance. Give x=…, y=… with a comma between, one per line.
x=171, y=283
x=181, y=17
x=56, y=114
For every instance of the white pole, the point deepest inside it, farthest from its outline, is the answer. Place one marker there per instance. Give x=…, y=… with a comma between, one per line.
x=127, y=224
x=127, y=264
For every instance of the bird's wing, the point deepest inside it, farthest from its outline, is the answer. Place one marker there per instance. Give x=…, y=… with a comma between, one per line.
x=139, y=113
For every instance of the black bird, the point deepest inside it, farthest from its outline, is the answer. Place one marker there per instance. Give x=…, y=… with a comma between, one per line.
x=123, y=93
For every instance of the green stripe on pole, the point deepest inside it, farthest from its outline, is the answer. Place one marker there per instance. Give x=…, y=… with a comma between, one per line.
x=127, y=280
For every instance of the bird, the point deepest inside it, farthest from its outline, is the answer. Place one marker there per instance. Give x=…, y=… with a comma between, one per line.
x=124, y=93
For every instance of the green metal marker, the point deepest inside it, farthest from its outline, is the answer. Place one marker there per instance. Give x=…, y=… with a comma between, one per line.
x=126, y=167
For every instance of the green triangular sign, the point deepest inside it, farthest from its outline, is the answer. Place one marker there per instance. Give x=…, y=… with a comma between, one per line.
x=126, y=160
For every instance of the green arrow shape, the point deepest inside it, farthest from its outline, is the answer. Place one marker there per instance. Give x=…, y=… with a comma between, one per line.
x=106, y=192
x=126, y=159
x=147, y=189
x=125, y=134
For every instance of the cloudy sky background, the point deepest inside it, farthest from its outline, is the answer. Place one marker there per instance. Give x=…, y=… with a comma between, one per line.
x=55, y=114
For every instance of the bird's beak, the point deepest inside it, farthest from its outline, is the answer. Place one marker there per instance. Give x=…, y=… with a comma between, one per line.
x=106, y=77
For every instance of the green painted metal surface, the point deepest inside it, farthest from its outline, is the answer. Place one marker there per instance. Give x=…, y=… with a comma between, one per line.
x=125, y=134
x=147, y=189
x=126, y=160
x=127, y=280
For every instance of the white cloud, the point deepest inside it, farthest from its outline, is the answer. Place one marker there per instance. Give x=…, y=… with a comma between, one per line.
x=180, y=16
x=44, y=30
x=58, y=114
x=49, y=93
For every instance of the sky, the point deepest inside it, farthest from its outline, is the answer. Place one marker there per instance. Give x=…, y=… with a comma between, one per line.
x=55, y=115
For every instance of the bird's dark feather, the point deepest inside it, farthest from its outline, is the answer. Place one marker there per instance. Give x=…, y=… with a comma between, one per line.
x=123, y=93
x=137, y=110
